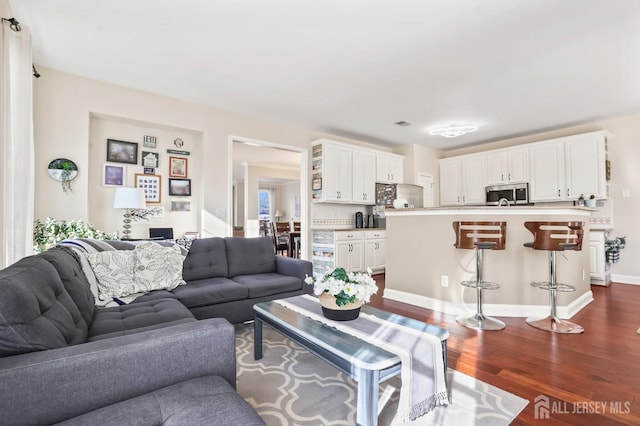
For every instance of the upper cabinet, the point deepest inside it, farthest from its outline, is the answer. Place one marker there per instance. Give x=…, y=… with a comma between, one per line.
x=345, y=173
x=507, y=166
x=389, y=168
x=563, y=169
x=462, y=180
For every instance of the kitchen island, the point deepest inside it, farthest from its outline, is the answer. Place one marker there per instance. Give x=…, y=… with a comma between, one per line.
x=423, y=267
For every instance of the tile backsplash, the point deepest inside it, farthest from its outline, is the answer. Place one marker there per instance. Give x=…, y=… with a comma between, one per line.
x=336, y=216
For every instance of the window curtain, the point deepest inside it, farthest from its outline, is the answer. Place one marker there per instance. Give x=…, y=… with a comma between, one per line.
x=16, y=146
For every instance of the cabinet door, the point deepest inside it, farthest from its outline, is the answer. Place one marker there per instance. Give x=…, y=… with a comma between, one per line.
x=364, y=177
x=389, y=169
x=450, y=182
x=337, y=173
x=517, y=166
x=496, y=165
x=473, y=181
x=547, y=172
x=585, y=166
x=356, y=256
x=342, y=254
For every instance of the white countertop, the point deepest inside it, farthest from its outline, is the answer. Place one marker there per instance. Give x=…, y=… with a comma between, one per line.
x=492, y=210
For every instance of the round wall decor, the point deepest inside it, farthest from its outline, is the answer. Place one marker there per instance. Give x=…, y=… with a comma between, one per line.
x=63, y=170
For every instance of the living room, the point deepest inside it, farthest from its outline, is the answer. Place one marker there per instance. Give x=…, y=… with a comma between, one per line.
x=73, y=115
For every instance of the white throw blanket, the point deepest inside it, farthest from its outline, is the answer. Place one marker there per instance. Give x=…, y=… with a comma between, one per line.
x=422, y=369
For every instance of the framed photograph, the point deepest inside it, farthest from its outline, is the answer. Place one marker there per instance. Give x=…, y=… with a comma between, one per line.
x=180, y=205
x=180, y=187
x=152, y=185
x=177, y=167
x=122, y=152
x=150, y=159
x=316, y=183
x=149, y=141
x=114, y=175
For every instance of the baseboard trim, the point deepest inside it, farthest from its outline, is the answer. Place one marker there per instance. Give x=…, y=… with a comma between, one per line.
x=498, y=310
x=625, y=279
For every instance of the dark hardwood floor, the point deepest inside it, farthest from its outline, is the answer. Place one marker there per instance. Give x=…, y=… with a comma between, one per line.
x=578, y=373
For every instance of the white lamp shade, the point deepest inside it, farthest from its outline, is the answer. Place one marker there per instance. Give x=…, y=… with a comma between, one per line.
x=129, y=198
x=278, y=213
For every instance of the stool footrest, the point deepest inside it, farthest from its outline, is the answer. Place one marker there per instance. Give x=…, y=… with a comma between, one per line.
x=546, y=285
x=485, y=285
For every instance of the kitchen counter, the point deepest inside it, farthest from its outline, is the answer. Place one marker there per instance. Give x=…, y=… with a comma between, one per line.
x=421, y=257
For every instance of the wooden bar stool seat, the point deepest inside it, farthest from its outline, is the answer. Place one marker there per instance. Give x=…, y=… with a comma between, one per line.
x=554, y=237
x=480, y=236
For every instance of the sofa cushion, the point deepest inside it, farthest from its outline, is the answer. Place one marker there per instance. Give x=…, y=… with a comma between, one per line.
x=248, y=256
x=207, y=400
x=36, y=311
x=260, y=285
x=207, y=258
x=210, y=292
x=68, y=264
x=158, y=267
x=114, y=271
x=137, y=317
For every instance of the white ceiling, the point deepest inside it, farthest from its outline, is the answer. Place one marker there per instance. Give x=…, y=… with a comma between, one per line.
x=354, y=67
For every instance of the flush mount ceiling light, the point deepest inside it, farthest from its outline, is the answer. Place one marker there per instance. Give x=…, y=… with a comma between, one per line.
x=452, y=131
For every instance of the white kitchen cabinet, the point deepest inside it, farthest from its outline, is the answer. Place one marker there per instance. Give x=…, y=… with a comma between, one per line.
x=349, y=250
x=364, y=177
x=507, y=166
x=337, y=177
x=389, y=168
x=563, y=169
x=462, y=180
x=599, y=269
x=375, y=246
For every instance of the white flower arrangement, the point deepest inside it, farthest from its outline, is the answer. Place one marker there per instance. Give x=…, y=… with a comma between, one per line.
x=345, y=286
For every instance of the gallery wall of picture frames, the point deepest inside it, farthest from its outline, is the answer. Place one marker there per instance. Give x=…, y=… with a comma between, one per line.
x=120, y=152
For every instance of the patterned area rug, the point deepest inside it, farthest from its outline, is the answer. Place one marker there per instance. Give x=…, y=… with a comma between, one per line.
x=291, y=386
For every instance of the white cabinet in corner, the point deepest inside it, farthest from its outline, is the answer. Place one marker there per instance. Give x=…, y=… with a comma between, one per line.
x=336, y=173
x=364, y=177
x=349, y=250
x=389, y=168
x=375, y=249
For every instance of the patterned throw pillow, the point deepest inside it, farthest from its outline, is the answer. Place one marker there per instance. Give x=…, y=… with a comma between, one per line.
x=158, y=267
x=114, y=271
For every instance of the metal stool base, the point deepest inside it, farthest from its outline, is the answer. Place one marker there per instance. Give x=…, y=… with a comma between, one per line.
x=481, y=322
x=555, y=325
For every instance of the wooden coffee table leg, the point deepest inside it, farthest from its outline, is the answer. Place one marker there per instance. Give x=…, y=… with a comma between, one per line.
x=257, y=338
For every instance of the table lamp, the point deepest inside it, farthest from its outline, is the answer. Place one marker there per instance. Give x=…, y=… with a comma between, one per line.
x=128, y=198
x=278, y=214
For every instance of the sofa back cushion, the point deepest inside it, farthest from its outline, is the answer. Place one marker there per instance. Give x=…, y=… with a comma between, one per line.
x=36, y=311
x=74, y=280
x=207, y=258
x=248, y=256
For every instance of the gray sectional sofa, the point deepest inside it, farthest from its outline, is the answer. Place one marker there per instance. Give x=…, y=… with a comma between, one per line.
x=167, y=358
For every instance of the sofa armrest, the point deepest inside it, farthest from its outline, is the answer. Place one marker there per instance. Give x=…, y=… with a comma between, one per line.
x=54, y=385
x=295, y=268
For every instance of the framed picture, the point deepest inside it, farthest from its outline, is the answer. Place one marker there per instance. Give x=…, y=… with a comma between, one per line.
x=177, y=167
x=114, y=175
x=149, y=141
x=316, y=183
x=122, y=152
x=152, y=185
x=180, y=187
x=180, y=205
x=150, y=159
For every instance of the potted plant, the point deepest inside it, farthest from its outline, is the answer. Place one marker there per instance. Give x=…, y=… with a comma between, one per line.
x=50, y=232
x=64, y=171
x=342, y=293
x=591, y=201
x=612, y=248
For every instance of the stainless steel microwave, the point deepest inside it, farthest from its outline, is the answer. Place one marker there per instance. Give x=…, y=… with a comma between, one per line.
x=517, y=193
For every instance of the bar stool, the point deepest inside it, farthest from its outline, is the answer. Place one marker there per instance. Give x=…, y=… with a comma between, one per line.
x=554, y=237
x=480, y=236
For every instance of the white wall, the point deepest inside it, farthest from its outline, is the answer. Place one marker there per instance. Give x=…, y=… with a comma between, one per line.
x=64, y=104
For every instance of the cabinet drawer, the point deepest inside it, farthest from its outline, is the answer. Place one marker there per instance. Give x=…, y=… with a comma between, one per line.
x=378, y=233
x=349, y=235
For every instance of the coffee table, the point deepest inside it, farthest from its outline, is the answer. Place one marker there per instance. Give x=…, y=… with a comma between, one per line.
x=364, y=362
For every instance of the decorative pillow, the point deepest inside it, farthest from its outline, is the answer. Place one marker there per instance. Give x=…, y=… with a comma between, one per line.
x=114, y=271
x=158, y=267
